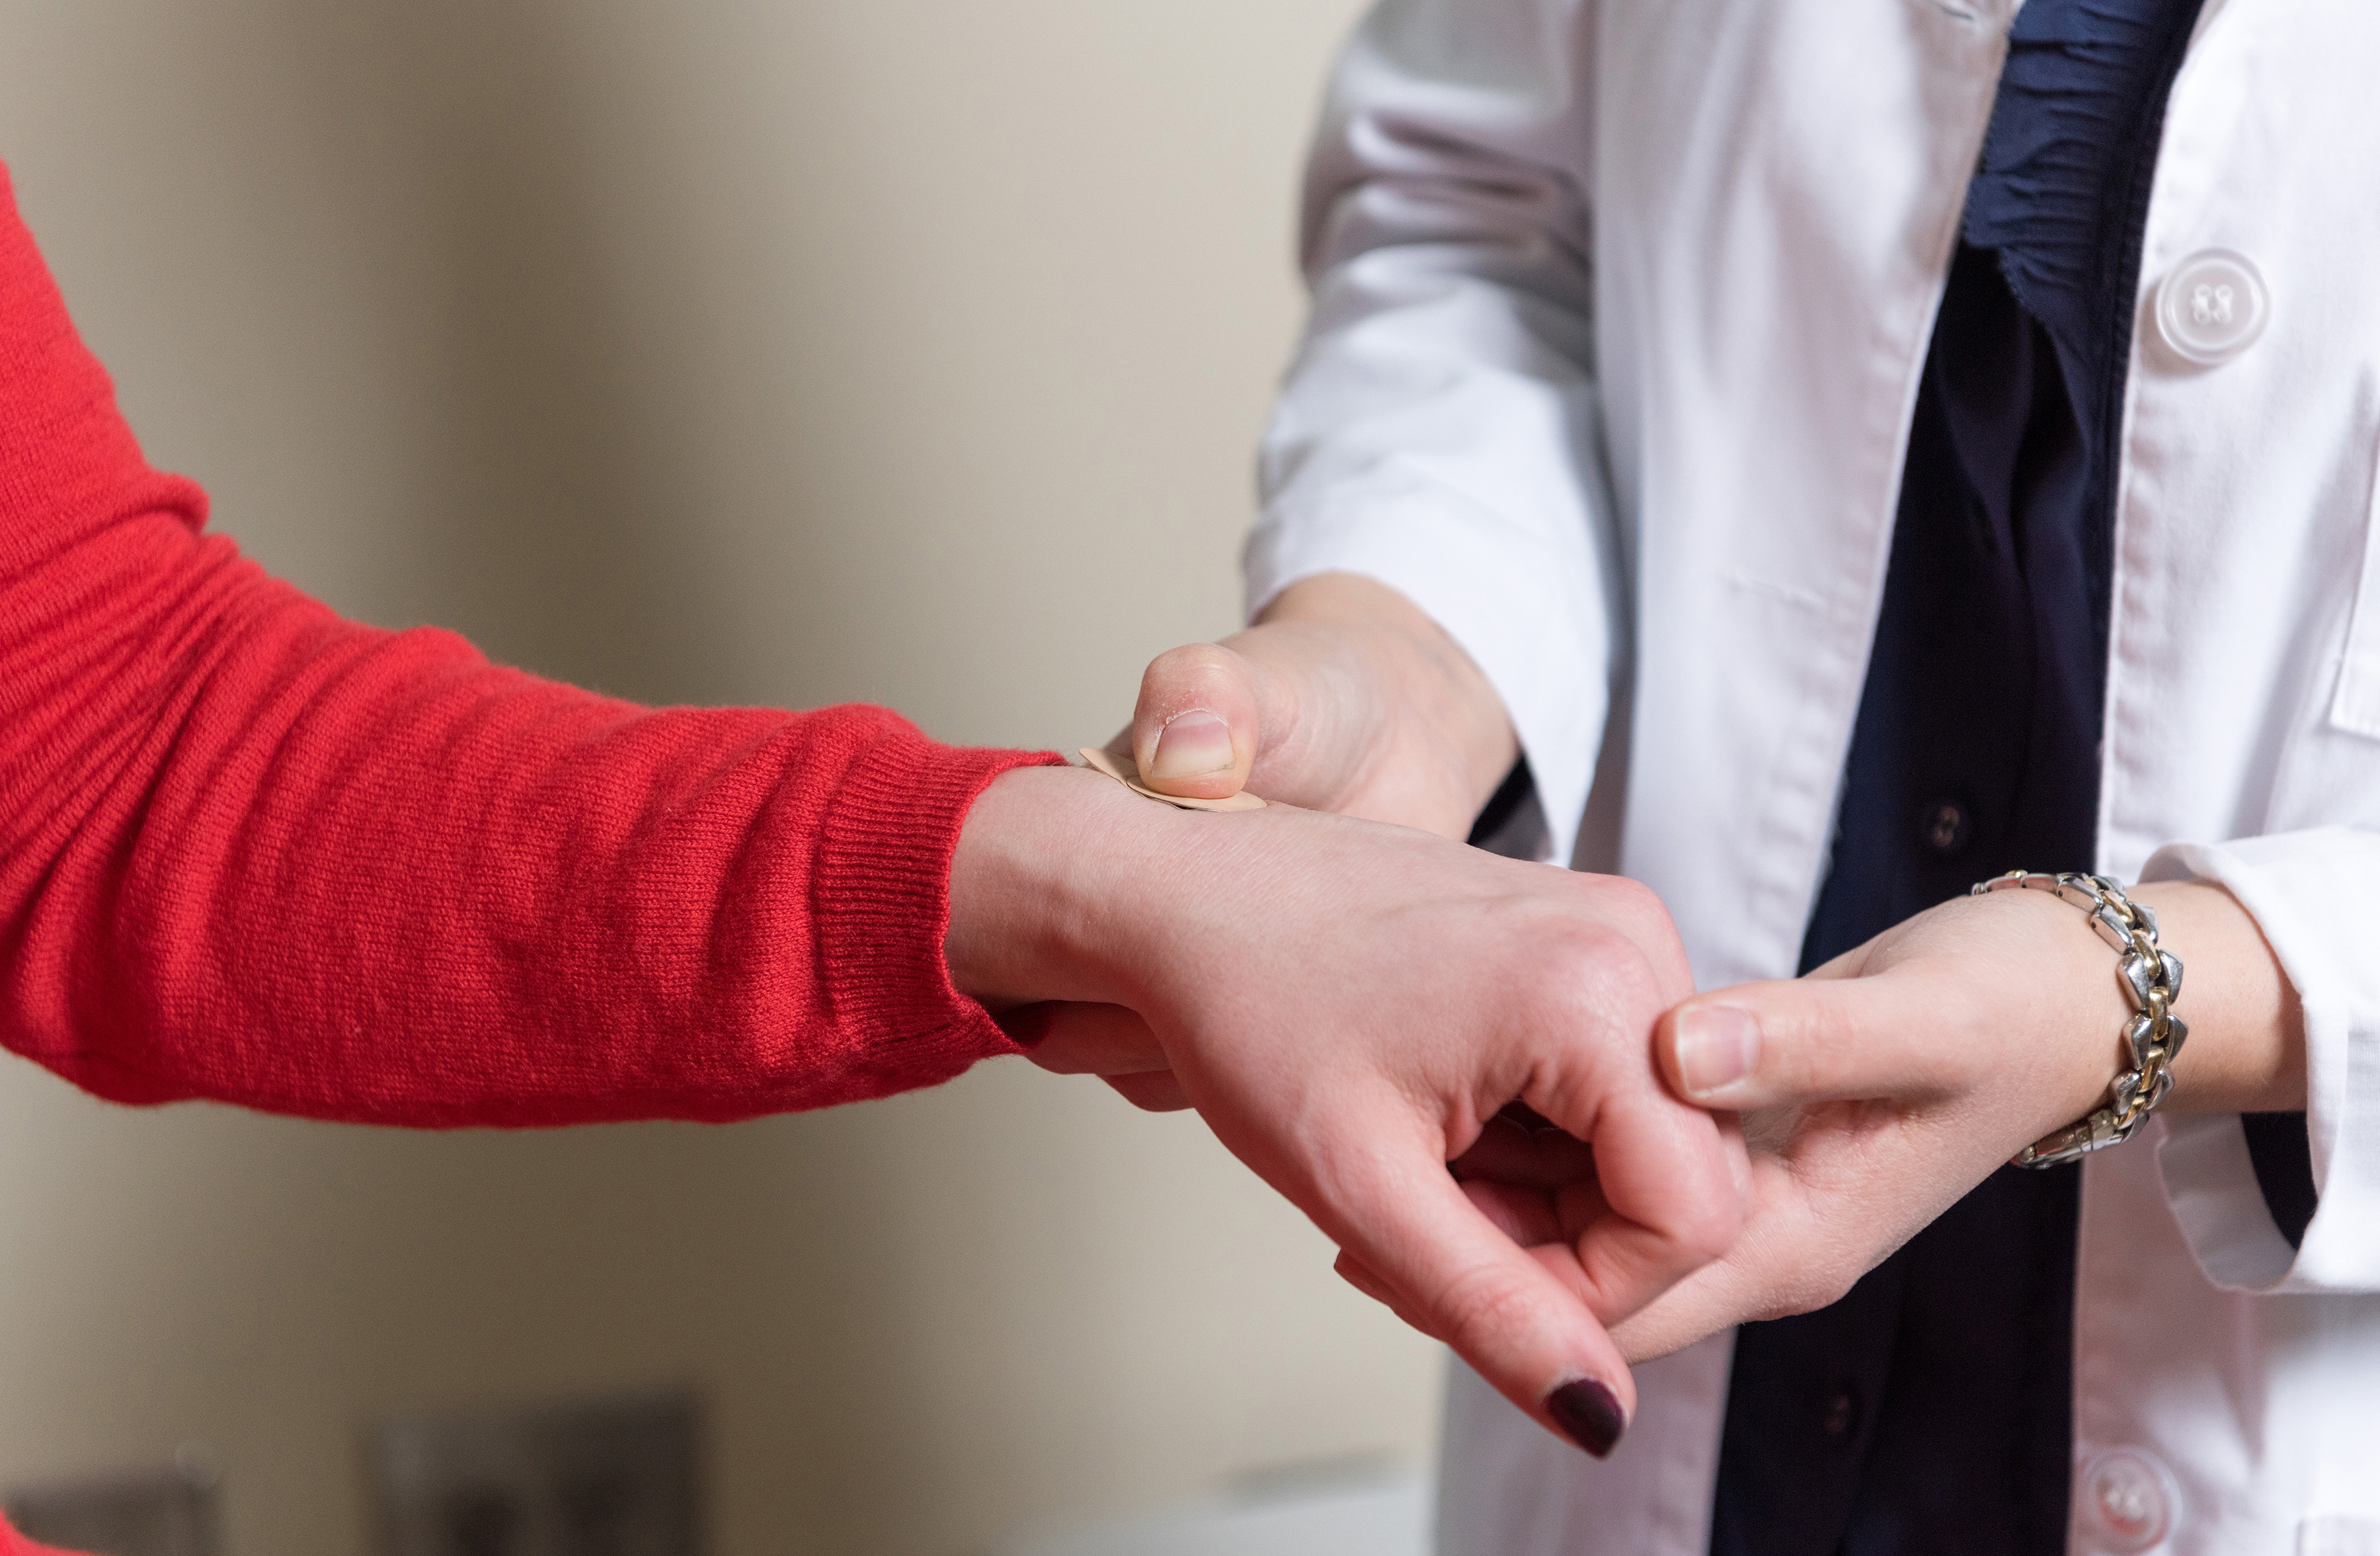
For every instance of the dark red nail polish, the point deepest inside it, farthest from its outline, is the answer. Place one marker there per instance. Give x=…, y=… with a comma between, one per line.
x=1590, y=1413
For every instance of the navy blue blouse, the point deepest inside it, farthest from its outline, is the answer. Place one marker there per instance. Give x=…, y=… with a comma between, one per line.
x=1930, y=1409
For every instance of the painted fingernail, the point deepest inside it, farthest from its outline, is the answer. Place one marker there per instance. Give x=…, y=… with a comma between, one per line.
x=1194, y=745
x=1717, y=1045
x=1590, y=1413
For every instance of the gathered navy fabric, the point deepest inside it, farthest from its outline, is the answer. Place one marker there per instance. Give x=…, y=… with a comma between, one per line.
x=2062, y=191
x=1930, y=1409
x=2060, y=200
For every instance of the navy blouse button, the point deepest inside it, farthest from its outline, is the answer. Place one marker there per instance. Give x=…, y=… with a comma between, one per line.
x=1842, y=1416
x=1946, y=827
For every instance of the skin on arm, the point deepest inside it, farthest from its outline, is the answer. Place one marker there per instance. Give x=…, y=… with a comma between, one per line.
x=2060, y=998
x=2246, y=1051
x=1348, y=1005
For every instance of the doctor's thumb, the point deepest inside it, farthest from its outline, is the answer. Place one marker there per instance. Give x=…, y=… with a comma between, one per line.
x=1195, y=731
x=1792, y=1041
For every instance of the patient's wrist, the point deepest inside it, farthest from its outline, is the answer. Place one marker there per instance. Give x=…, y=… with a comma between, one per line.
x=1049, y=886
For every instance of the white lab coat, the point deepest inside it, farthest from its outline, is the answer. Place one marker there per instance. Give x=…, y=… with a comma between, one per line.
x=1619, y=309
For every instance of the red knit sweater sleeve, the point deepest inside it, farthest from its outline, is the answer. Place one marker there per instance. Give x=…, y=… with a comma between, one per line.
x=14, y=1544
x=252, y=852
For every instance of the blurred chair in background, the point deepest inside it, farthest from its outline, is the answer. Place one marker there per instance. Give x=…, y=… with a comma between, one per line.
x=600, y=1477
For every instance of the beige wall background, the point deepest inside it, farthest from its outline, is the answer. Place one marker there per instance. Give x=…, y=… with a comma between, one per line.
x=904, y=350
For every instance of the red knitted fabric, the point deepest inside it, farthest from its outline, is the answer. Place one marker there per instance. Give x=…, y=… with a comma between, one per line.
x=14, y=1544
x=252, y=852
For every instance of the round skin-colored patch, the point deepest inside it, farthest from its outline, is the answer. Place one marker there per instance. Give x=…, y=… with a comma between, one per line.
x=1124, y=772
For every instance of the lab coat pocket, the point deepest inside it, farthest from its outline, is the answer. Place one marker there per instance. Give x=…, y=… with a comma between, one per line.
x=2355, y=703
x=2339, y=1536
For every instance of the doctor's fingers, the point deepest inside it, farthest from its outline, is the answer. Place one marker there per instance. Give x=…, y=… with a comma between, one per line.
x=1816, y=1039
x=1769, y=1276
x=1824, y=1214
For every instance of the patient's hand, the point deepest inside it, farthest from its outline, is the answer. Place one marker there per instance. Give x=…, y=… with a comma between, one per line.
x=1348, y=1003
x=1887, y=1084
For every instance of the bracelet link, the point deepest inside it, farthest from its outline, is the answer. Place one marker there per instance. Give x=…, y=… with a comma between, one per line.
x=2151, y=978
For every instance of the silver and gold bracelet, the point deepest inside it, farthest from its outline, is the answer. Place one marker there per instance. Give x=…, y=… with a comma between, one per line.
x=2152, y=982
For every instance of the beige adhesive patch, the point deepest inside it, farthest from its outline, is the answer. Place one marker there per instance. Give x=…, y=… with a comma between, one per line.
x=1122, y=769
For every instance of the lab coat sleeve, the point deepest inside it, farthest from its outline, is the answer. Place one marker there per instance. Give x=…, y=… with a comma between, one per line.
x=2316, y=896
x=1437, y=432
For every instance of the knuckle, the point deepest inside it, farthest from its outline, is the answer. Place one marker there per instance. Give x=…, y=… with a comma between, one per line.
x=1631, y=900
x=1600, y=976
x=1575, y=945
x=1637, y=909
x=1586, y=1012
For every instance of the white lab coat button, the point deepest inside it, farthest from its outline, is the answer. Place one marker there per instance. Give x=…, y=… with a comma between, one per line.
x=2128, y=1500
x=2212, y=306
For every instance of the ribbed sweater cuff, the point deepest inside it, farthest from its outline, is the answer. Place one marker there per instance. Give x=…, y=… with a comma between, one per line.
x=882, y=900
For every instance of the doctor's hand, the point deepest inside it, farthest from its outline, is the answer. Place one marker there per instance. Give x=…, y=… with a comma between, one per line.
x=1343, y=697
x=1348, y=1005
x=1884, y=1086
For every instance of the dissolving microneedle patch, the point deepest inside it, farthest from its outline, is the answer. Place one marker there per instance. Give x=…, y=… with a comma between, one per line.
x=1124, y=770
